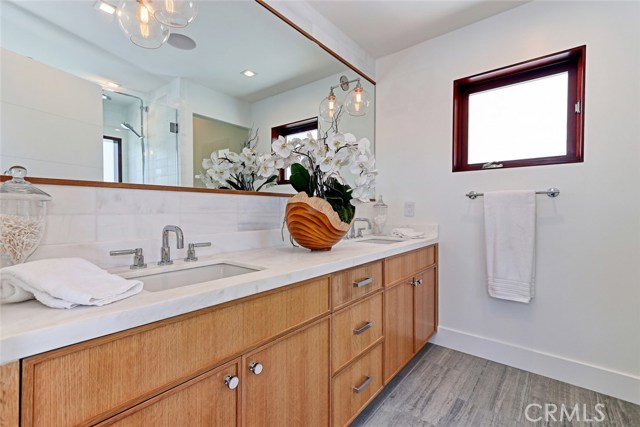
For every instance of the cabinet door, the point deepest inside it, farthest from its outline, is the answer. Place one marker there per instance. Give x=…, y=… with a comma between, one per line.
x=398, y=328
x=209, y=400
x=425, y=307
x=290, y=386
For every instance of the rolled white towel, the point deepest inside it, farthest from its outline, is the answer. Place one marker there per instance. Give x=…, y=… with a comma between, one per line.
x=64, y=283
x=407, y=233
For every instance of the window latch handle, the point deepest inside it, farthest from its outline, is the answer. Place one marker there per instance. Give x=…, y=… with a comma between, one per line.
x=492, y=165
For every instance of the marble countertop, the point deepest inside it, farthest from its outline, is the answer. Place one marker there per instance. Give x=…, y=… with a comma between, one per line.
x=29, y=328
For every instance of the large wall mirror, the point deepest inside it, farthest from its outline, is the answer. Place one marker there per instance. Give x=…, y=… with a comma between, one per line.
x=64, y=117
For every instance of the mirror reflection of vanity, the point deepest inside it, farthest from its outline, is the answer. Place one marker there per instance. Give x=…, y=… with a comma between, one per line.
x=63, y=118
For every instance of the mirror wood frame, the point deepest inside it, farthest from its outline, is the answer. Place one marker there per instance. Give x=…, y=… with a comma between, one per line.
x=83, y=183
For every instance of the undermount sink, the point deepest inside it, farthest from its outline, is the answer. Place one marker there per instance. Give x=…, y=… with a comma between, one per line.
x=190, y=276
x=381, y=240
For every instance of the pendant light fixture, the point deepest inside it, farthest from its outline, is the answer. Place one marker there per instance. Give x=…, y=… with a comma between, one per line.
x=173, y=13
x=138, y=23
x=357, y=103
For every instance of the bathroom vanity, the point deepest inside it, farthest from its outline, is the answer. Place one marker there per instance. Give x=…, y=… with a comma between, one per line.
x=308, y=341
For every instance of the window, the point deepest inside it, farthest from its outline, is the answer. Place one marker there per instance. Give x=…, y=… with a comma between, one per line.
x=525, y=114
x=291, y=131
x=111, y=159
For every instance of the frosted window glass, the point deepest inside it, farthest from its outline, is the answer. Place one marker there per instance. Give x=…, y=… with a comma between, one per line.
x=520, y=121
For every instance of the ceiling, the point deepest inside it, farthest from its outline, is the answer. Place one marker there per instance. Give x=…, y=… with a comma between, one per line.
x=382, y=27
x=231, y=36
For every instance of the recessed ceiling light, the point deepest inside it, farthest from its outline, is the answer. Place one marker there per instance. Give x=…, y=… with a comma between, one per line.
x=249, y=73
x=105, y=7
x=111, y=84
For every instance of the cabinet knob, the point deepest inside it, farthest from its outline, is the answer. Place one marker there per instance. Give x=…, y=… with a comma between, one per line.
x=231, y=382
x=256, y=367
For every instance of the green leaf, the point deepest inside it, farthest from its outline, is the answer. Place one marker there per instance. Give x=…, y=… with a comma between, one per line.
x=300, y=179
x=339, y=197
x=268, y=181
x=234, y=185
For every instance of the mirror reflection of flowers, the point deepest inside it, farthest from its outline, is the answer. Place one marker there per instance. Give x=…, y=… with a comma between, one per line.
x=239, y=171
x=317, y=165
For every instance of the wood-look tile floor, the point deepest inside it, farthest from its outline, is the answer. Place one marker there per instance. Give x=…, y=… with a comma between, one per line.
x=445, y=388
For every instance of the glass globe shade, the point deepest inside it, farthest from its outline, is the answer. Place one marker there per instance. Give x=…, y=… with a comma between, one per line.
x=138, y=24
x=173, y=13
x=329, y=108
x=358, y=101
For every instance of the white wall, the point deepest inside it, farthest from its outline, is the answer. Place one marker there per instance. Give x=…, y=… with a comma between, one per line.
x=53, y=117
x=583, y=325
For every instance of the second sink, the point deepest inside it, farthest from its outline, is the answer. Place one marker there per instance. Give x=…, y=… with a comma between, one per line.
x=190, y=276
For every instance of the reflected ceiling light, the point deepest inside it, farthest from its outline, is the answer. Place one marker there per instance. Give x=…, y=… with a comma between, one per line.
x=357, y=102
x=111, y=84
x=138, y=23
x=173, y=13
x=248, y=73
x=105, y=7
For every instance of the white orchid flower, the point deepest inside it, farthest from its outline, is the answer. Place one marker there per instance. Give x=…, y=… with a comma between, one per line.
x=361, y=164
x=349, y=138
x=328, y=162
x=281, y=147
x=335, y=141
x=364, y=146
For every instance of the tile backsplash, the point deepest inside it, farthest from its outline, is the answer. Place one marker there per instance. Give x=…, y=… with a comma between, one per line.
x=91, y=221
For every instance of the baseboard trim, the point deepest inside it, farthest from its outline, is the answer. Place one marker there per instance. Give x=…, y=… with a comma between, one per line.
x=602, y=380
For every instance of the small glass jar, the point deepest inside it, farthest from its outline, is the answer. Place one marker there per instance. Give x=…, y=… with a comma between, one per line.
x=22, y=217
x=379, y=216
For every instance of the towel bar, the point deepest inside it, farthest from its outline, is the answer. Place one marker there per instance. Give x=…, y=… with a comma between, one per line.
x=551, y=192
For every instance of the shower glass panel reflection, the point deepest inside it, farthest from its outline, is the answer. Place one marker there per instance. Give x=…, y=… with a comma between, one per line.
x=149, y=150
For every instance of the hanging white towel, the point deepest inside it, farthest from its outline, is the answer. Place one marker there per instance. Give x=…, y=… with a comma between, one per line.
x=510, y=230
x=64, y=283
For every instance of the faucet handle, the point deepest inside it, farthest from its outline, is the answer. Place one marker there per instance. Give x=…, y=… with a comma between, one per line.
x=138, y=257
x=191, y=251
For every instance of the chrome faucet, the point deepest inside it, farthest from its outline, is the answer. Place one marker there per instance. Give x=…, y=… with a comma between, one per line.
x=165, y=252
x=353, y=234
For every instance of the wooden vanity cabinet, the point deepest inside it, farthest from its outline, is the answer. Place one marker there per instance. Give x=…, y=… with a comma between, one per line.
x=311, y=354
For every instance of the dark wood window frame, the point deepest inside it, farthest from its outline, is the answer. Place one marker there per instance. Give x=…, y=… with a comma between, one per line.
x=118, y=142
x=305, y=125
x=572, y=61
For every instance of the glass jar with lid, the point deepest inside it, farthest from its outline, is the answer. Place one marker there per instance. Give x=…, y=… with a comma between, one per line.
x=22, y=217
x=379, y=216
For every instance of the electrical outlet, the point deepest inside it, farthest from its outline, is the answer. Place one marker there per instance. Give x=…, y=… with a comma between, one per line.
x=409, y=209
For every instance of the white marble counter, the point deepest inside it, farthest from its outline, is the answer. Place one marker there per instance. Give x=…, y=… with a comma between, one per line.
x=30, y=328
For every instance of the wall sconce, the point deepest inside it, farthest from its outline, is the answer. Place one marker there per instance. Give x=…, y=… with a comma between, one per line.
x=357, y=101
x=147, y=22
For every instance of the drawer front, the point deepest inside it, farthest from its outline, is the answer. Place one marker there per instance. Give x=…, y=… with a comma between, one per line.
x=354, y=283
x=209, y=400
x=95, y=379
x=407, y=264
x=354, y=329
x=354, y=387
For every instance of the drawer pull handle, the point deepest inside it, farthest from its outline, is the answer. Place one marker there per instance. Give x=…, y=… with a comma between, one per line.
x=364, y=385
x=362, y=329
x=231, y=381
x=363, y=282
x=415, y=283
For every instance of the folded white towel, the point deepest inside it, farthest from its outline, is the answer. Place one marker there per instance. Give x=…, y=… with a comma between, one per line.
x=407, y=233
x=510, y=227
x=64, y=283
